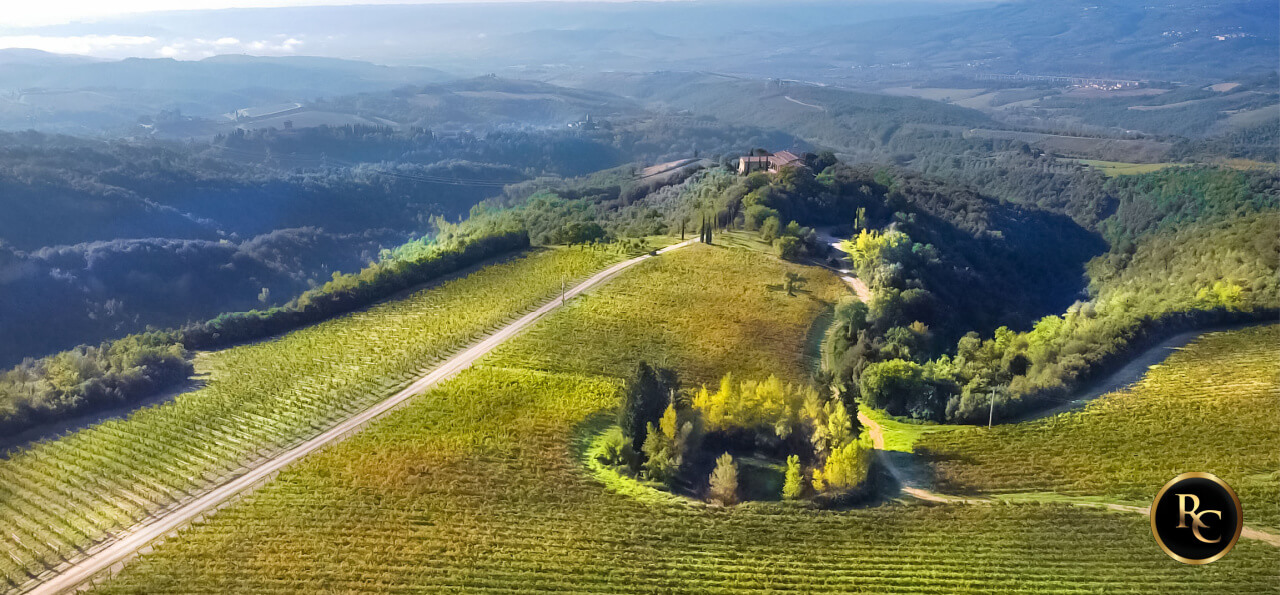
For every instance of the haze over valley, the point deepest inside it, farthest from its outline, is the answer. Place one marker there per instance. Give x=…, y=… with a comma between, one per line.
x=687, y=296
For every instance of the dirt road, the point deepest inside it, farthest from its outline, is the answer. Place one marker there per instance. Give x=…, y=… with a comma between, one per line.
x=797, y=101
x=112, y=556
x=845, y=269
x=877, y=439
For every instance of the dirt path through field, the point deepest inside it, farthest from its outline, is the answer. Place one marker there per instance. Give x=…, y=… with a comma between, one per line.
x=902, y=477
x=906, y=482
x=845, y=270
x=797, y=101
x=109, y=557
x=1131, y=372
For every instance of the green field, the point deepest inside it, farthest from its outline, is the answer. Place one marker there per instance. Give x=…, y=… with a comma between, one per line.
x=711, y=309
x=479, y=486
x=902, y=434
x=64, y=494
x=1119, y=168
x=1213, y=406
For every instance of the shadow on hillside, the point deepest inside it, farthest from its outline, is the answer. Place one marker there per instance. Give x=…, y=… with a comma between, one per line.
x=10, y=445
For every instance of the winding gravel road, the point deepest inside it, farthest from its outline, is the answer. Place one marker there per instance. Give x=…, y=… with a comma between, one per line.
x=904, y=481
x=111, y=556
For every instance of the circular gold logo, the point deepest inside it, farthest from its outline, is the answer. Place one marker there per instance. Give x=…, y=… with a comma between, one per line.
x=1196, y=518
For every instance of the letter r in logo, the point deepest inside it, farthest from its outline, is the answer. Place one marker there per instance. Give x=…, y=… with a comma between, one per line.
x=1196, y=523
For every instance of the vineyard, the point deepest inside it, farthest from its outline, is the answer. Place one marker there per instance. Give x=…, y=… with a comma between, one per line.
x=60, y=496
x=701, y=309
x=479, y=486
x=1212, y=406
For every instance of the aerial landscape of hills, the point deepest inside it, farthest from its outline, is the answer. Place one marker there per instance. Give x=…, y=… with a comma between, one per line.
x=702, y=296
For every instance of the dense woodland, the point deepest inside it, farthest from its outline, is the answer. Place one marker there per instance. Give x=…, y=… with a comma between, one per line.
x=1189, y=248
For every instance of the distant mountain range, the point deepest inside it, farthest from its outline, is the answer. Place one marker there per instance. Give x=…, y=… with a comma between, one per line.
x=78, y=95
x=822, y=40
x=871, y=46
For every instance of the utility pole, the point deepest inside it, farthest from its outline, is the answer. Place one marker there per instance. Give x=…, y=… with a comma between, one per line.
x=992, y=412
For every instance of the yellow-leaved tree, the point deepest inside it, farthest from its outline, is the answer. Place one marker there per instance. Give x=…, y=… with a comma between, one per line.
x=724, y=481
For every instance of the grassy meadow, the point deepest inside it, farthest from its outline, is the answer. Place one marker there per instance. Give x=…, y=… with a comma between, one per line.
x=1112, y=169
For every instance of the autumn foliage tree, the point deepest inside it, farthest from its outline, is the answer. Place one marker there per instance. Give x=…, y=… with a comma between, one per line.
x=724, y=481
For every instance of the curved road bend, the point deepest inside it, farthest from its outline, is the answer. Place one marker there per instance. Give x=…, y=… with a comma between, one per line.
x=877, y=440
x=117, y=552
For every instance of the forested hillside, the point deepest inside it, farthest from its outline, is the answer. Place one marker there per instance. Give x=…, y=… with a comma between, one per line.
x=973, y=262
x=101, y=239
x=923, y=135
x=948, y=264
x=1190, y=248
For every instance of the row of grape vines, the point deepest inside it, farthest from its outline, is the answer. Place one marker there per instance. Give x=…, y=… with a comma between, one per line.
x=479, y=487
x=61, y=496
x=700, y=309
x=1212, y=406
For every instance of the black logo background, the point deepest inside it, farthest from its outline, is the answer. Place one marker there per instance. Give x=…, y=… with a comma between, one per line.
x=1182, y=543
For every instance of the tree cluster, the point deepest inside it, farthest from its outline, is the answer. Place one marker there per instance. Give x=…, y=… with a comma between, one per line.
x=671, y=438
x=88, y=379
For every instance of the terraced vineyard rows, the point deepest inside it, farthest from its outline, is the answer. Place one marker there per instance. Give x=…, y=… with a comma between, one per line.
x=59, y=497
x=478, y=486
x=1213, y=406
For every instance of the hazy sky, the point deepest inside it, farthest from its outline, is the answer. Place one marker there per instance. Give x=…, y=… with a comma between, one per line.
x=21, y=15
x=99, y=35
x=26, y=13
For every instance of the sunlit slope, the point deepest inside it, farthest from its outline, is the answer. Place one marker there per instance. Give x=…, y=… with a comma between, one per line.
x=1213, y=406
x=706, y=311
x=477, y=487
x=62, y=495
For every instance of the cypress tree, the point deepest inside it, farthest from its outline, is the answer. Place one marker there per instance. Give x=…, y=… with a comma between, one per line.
x=644, y=400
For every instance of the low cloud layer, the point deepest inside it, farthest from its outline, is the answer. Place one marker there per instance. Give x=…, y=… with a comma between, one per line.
x=124, y=46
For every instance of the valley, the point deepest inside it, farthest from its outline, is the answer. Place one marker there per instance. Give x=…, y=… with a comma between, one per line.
x=640, y=297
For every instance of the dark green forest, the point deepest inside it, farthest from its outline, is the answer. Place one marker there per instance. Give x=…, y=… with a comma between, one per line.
x=1189, y=248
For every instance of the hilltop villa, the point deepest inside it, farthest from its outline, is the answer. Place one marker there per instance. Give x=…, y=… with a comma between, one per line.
x=771, y=162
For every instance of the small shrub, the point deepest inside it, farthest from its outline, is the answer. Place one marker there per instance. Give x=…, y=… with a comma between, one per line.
x=793, y=487
x=614, y=449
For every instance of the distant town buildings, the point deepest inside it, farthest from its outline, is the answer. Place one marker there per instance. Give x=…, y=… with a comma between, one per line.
x=770, y=162
x=1074, y=81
